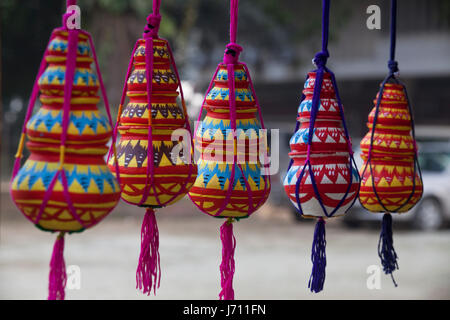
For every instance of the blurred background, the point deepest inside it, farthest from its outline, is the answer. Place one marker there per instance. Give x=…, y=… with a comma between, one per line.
x=280, y=37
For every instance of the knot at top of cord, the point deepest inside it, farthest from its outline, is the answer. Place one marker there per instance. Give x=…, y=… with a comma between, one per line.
x=231, y=55
x=320, y=59
x=393, y=66
x=152, y=27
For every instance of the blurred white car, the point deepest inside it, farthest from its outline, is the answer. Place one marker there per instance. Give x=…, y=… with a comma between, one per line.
x=433, y=210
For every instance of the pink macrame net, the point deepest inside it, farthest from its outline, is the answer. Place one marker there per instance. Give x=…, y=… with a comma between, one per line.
x=57, y=277
x=148, y=273
x=230, y=59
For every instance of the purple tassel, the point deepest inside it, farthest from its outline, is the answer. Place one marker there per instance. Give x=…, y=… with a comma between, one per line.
x=57, y=277
x=148, y=273
x=318, y=258
x=227, y=265
x=386, y=250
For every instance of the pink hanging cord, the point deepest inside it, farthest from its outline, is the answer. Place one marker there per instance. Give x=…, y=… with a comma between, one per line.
x=227, y=265
x=150, y=32
x=67, y=15
x=57, y=278
x=153, y=21
x=234, y=10
x=148, y=273
x=230, y=59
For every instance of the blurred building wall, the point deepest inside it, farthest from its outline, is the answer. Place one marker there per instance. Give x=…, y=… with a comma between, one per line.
x=359, y=56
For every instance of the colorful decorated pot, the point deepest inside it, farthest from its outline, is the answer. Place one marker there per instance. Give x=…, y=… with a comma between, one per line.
x=336, y=180
x=173, y=172
x=211, y=191
x=328, y=136
x=163, y=79
x=92, y=188
x=333, y=179
x=391, y=181
x=328, y=107
x=85, y=81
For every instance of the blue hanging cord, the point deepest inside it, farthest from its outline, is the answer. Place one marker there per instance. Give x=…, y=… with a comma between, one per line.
x=392, y=63
x=318, y=258
x=318, y=253
x=386, y=250
x=321, y=57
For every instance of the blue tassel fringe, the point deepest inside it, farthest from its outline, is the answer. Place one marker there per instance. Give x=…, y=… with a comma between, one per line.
x=318, y=258
x=386, y=250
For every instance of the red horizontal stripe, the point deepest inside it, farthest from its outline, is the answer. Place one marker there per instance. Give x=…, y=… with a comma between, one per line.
x=175, y=123
x=242, y=84
x=156, y=98
x=167, y=170
x=226, y=115
x=196, y=193
x=225, y=103
x=86, y=137
x=388, y=131
x=76, y=198
x=68, y=158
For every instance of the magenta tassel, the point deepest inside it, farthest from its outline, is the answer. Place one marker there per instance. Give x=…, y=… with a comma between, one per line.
x=148, y=273
x=227, y=265
x=57, y=277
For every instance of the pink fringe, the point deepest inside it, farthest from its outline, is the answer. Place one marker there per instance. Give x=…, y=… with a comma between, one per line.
x=227, y=265
x=57, y=277
x=148, y=273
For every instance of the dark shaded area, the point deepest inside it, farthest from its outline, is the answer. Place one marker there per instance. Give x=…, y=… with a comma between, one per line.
x=429, y=97
x=25, y=31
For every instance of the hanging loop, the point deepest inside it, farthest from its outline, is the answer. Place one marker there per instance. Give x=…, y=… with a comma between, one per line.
x=392, y=63
x=67, y=15
x=232, y=51
x=234, y=12
x=320, y=59
x=153, y=21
